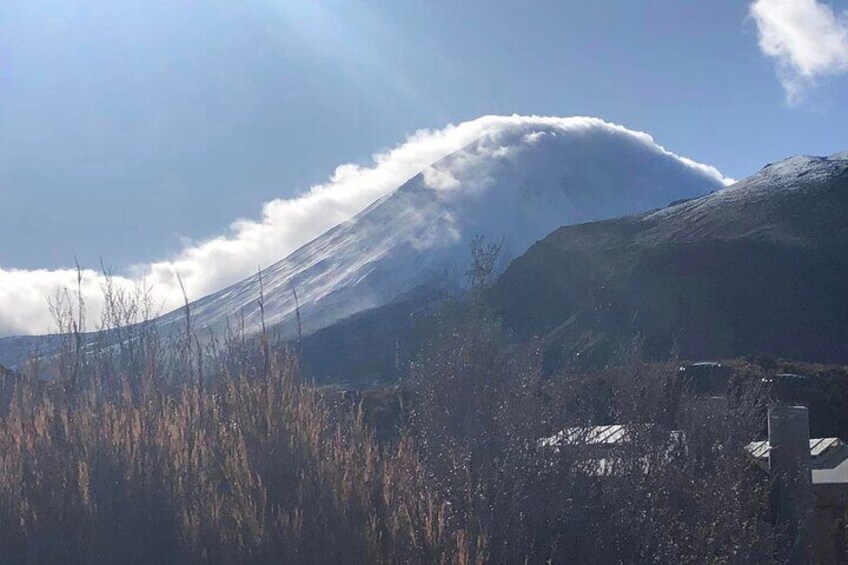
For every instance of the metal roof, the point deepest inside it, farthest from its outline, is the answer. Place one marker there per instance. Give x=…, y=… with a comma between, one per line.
x=828, y=455
x=819, y=447
x=615, y=434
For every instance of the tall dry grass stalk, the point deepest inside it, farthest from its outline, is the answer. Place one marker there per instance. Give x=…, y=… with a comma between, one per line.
x=146, y=449
x=171, y=449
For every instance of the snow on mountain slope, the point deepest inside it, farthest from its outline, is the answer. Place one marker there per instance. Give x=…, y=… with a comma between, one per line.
x=521, y=179
x=751, y=207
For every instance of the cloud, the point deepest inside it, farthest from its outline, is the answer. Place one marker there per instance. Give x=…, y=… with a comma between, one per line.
x=283, y=226
x=807, y=39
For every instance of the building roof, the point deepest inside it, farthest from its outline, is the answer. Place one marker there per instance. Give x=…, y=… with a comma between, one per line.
x=828, y=455
x=615, y=434
x=818, y=447
x=828, y=458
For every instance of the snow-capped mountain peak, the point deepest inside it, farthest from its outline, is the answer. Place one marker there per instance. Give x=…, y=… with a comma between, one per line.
x=519, y=179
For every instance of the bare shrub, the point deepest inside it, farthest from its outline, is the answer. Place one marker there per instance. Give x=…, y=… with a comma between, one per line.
x=141, y=461
x=173, y=449
x=679, y=489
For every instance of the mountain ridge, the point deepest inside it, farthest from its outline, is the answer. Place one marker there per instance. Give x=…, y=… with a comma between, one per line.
x=422, y=229
x=518, y=180
x=758, y=267
x=666, y=278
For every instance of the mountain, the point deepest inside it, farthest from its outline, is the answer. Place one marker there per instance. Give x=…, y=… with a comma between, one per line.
x=15, y=349
x=522, y=178
x=760, y=267
x=515, y=183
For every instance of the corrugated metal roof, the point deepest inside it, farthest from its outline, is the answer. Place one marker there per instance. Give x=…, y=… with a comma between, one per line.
x=600, y=436
x=828, y=455
x=614, y=434
x=759, y=449
x=818, y=447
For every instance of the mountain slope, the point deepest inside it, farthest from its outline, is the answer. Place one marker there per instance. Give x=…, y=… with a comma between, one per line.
x=517, y=182
x=519, y=179
x=758, y=267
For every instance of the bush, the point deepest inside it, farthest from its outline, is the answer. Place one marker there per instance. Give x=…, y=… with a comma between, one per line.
x=144, y=449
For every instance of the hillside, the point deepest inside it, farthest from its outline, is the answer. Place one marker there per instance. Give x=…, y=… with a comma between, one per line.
x=521, y=178
x=760, y=267
x=517, y=182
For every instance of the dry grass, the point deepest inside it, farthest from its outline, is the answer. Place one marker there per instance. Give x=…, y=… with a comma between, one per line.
x=257, y=468
x=146, y=450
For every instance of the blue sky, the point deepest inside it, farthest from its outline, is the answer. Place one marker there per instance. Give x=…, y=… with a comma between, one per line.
x=130, y=128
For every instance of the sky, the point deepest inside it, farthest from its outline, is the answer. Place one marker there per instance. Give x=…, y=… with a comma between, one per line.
x=134, y=133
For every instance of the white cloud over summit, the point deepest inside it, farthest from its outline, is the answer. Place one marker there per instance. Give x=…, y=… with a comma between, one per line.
x=283, y=226
x=807, y=39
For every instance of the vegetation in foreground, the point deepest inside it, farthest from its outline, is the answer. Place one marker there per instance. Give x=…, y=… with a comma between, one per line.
x=160, y=450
